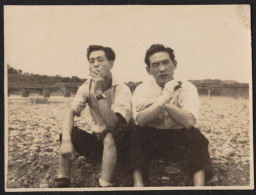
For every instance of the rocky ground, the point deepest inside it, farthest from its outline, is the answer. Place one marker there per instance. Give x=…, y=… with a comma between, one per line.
x=33, y=146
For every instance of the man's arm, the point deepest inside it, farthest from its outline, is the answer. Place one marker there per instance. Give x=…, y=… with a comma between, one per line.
x=66, y=148
x=182, y=117
x=148, y=114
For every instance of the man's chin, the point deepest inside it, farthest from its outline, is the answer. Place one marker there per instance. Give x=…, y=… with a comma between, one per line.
x=162, y=81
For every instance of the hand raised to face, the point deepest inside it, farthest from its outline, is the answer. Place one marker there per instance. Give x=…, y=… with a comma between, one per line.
x=169, y=89
x=97, y=80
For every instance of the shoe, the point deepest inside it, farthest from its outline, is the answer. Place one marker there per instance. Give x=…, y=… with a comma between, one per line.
x=62, y=182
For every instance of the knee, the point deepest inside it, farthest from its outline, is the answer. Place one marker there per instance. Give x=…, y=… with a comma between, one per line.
x=108, y=141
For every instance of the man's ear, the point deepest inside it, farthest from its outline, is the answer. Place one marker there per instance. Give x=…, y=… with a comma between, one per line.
x=175, y=64
x=112, y=63
x=148, y=70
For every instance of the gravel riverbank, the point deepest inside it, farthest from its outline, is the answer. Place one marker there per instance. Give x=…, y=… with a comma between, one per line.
x=33, y=146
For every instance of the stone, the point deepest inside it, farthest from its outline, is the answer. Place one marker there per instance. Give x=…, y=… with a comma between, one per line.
x=227, y=152
x=82, y=158
x=47, y=176
x=223, y=168
x=45, y=165
x=214, y=179
x=172, y=170
x=165, y=178
x=243, y=179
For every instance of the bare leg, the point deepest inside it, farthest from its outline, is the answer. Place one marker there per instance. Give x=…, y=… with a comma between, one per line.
x=109, y=158
x=199, y=178
x=137, y=178
x=63, y=167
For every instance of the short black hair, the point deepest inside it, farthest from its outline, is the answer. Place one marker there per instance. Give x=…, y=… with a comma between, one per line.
x=158, y=48
x=110, y=54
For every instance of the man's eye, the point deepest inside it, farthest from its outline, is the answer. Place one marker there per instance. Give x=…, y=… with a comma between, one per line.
x=154, y=65
x=91, y=61
x=166, y=62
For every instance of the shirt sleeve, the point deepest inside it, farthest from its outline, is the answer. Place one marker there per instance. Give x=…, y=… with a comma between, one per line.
x=122, y=102
x=136, y=100
x=189, y=99
x=80, y=99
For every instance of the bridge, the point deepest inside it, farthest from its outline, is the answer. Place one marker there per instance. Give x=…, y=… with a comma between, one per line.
x=235, y=90
x=46, y=89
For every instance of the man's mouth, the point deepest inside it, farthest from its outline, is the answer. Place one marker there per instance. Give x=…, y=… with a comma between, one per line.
x=163, y=76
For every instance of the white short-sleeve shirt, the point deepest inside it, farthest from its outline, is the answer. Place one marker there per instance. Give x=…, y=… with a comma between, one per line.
x=149, y=91
x=117, y=97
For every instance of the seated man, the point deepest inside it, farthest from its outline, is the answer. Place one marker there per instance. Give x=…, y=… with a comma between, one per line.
x=166, y=110
x=110, y=108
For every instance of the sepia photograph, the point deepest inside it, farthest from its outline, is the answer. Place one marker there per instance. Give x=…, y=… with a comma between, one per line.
x=128, y=97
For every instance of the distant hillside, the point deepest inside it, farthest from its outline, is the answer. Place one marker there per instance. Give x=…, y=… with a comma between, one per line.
x=213, y=82
x=18, y=77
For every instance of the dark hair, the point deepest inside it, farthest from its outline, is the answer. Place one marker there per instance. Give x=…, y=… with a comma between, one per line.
x=110, y=54
x=159, y=48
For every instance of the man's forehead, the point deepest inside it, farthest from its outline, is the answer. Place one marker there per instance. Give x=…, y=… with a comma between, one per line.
x=159, y=56
x=97, y=53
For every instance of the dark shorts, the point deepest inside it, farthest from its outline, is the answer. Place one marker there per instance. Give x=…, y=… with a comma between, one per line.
x=91, y=145
x=177, y=145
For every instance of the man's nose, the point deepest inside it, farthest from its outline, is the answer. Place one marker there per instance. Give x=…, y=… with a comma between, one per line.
x=96, y=64
x=162, y=67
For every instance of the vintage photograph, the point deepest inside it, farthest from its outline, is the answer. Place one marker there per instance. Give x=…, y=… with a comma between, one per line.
x=128, y=97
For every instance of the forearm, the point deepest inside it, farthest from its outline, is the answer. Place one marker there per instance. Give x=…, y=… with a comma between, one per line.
x=147, y=115
x=67, y=125
x=109, y=117
x=182, y=117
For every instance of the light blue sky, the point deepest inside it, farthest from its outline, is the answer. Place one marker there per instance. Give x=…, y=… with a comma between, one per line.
x=209, y=41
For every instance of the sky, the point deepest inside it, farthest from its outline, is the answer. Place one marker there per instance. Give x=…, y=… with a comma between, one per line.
x=210, y=41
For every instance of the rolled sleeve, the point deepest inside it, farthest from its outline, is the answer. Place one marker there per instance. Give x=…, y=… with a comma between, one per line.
x=189, y=100
x=80, y=99
x=122, y=102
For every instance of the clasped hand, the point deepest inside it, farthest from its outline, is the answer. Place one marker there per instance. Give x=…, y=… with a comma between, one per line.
x=168, y=90
x=67, y=150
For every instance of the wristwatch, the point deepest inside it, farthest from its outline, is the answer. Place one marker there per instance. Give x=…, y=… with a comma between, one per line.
x=99, y=97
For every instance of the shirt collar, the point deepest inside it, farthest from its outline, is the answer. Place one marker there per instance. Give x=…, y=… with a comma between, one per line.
x=154, y=83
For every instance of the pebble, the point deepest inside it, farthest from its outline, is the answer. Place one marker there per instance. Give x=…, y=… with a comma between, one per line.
x=19, y=161
x=243, y=179
x=214, y=179
x=165, y=178
x=172, y=170
x=223, y=168
x=82, y=158
x=227, y=152
x=46, y=166
x=47, y=176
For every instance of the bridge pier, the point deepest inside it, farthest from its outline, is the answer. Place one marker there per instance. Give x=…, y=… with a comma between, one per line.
x=24, y=92
x=66, y=91
x=209, y=93
x=46, y=92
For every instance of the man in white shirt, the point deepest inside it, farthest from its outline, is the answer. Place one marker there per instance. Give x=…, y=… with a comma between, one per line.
x=165, y=111
x=110, y=108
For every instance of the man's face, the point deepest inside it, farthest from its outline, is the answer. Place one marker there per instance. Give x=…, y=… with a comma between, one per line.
x=99, y=61
x=161, y=67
